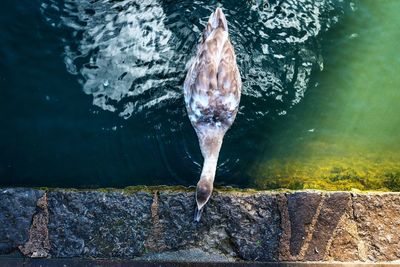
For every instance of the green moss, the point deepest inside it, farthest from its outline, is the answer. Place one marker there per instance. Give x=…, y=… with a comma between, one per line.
x=229, y=189
x=152, y=189
x=126, y=190
x=143, y=188
x=364, y=172
x=392, y=181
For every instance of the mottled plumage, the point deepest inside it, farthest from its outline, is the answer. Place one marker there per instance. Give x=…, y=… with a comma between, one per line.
x=212, y=94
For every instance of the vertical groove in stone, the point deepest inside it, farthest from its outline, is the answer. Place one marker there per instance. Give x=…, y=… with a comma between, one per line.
x=38, y=245
x=311, y=230
x=361, y=250
x=284, y=242
x=17, y=207
x=155, y=241
x=302, y=208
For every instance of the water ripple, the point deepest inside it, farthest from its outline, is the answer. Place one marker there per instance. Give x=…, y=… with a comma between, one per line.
x=131, y=55
x=121, y=52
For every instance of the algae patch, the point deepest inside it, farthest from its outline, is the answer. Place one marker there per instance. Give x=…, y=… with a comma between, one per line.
x=330, y=173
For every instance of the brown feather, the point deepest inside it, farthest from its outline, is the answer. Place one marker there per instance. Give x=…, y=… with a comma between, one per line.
x=213, y=85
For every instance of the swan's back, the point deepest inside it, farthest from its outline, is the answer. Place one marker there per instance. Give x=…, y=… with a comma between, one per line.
x=212, y=86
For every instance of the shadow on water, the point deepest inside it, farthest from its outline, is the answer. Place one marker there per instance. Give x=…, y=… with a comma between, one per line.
x=91, y=92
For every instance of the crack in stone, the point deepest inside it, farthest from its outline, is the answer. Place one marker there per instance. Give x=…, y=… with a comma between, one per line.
x=284, y=243
x=361, y=249
x=155, y=241
x=38, y=245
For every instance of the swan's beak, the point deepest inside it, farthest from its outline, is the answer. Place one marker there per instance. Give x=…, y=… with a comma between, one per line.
x=197, y=214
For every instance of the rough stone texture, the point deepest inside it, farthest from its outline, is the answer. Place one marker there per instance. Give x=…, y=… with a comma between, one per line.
x=38, y=245
x=17, y=207
x=158, y=225
x=302, y=208
x=344, y=245
x=378, y=223
x=98, y=224
x=241, y=225
x=332, y=209
x=192, y=255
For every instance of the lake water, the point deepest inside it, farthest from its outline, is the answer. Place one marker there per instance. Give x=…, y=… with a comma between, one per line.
x=91, y=93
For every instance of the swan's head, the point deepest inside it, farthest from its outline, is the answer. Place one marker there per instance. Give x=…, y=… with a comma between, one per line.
x=203, y=193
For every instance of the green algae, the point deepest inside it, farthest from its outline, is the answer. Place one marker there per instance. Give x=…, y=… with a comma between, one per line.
x=332, y=173
x=152, y=189
x=281, y=185
x=125, y=190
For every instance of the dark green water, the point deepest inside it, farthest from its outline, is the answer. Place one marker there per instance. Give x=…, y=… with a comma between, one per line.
x=91, y=93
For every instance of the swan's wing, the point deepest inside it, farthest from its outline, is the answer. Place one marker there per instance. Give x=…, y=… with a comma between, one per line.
x=212, y=86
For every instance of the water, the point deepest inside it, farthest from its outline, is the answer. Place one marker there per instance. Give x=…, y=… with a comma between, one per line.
x=91, y=93
x=345, y=133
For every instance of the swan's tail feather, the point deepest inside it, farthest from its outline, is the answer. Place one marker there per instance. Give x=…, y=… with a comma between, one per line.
x=216, y=20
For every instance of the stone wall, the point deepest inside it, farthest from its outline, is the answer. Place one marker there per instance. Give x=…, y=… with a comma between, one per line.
x=236, y=226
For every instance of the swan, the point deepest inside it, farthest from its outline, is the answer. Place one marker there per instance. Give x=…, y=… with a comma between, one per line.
x=212, y=90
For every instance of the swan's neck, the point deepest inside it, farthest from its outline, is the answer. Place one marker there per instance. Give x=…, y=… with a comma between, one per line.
x=210, y=145
x=209, y=169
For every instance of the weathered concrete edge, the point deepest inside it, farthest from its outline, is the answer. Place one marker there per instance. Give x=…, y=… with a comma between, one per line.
x=218, y=189
x=345, y=226
x=12, y=262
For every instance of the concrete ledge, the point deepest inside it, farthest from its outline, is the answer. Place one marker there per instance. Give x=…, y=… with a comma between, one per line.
x=132, y=263
x=154, y=224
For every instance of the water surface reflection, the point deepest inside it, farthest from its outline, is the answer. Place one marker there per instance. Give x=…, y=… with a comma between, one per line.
x=129, y=57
